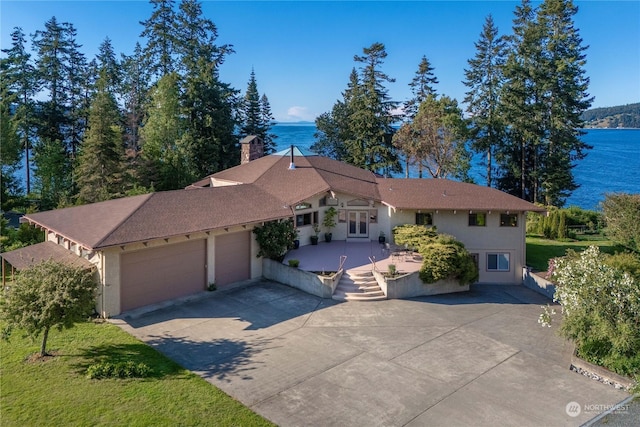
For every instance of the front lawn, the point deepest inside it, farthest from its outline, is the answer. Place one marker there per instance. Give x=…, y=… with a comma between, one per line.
x=57, y=392
x=541, y=250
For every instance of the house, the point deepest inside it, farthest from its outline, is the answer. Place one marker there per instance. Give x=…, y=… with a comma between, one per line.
x=160, y=246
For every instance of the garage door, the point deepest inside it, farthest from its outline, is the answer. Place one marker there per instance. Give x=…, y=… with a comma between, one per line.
x=157, y=274
x=233, y=258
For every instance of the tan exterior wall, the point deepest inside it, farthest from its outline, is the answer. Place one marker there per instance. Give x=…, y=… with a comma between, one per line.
x=339, y=232
x=491, y=238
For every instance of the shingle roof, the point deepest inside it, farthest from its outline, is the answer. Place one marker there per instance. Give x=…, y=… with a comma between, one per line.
x=266, y=189
x=312, y=175
x=448, y=195
x=161, y=215
x=31, y=255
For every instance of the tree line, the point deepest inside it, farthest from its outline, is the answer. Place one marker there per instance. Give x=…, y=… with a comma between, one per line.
x=626, y=116
x=526, y=93
x=93, y=129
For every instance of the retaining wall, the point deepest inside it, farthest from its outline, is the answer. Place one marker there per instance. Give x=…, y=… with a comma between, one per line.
x=537, y=283
x=321, y=286
x=410, y=285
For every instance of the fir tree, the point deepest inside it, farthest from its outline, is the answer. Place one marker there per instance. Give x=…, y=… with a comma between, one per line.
x=98, y=173
x=370, y=116
x=19, y=76
x=422, y=85
x=160, y=51
x=484, y=79
x=255, y=113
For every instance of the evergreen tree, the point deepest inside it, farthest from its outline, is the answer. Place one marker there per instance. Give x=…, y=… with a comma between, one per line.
x=166, y=147
x=333, y=128
x=566, y=98
x=484, y=79
x=78, y=83
x=370, y=116
x=98, y=172
x=209, y=103
x=135, y=86
x=256, y=115
x=108, y=64
x=19, y=76
x=159, y=30
x=542, y=99
x=57, y=63
x=421, y=86
x=10, y=151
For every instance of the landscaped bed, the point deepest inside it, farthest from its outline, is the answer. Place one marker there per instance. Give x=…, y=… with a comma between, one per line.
x=56, y=391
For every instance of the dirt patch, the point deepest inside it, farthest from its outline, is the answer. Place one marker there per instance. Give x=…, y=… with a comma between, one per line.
x=37, y=358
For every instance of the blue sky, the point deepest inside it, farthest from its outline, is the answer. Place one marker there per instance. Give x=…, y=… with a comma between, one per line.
x=302, y=52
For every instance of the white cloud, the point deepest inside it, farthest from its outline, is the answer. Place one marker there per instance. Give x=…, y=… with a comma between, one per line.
x=297, y=113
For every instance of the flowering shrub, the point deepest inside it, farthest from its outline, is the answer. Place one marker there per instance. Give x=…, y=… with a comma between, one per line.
x=601, y=310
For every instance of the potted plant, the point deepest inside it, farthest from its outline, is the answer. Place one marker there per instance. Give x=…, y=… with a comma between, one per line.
x=294, y=263
x=329, y=221
x=381, y=238
x=316, y=231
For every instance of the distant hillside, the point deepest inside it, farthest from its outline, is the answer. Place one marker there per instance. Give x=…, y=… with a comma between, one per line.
x=622, y=116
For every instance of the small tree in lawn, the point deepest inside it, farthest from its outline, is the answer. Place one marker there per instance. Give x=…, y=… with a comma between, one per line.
x=49, y=294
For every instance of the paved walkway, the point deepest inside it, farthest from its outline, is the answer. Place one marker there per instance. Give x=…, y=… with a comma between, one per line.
x=472, y=359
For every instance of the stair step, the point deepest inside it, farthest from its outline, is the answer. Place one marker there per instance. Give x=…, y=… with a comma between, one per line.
x=358, y=285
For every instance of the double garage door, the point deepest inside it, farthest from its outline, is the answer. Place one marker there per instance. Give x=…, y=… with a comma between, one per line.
x=154, y=275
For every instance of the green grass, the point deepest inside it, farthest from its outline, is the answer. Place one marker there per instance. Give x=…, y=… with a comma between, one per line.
x=541, y=250
x=57, y=392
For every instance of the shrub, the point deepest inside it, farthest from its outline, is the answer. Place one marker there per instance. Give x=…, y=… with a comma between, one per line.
x=444, y=261
x=391, y=269
x=118, y=370
x=600, y=305
x=294, y=263
x=275, y=238
x=444, y=257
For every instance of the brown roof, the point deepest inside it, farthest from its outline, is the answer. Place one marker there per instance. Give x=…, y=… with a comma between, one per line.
x=266, y=190
x=161, y=215
x=31, y=255
x=448, y=195
x=312, y=175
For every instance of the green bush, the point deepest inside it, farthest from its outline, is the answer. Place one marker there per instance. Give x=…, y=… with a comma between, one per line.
x=444, y=257
x=294, y=263
x=275, y=238
x=118, y=370
x=600, y=305
x=625, y=261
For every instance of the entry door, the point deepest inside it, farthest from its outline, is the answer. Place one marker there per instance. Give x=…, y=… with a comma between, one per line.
x=358, y=224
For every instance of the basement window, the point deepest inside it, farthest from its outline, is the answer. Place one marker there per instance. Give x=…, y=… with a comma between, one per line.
x=498, y=262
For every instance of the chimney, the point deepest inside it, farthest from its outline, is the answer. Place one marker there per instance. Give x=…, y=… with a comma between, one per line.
x=292, y=165
x=252, y=148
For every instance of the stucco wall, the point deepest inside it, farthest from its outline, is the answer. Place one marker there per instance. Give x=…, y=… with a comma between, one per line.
x=410, y=285
x=491, y=238
x=305, y=281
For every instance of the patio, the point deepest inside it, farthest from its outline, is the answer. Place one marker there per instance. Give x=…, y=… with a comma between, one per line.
x=326, y=257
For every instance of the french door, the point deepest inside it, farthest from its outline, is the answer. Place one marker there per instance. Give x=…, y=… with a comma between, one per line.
x=358, y=224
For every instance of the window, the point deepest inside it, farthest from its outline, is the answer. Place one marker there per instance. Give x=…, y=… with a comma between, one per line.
x=303, y=205
x=477, y=219
x=508, y=220
x=498, y=262
x=306, y=219
x=424, y=219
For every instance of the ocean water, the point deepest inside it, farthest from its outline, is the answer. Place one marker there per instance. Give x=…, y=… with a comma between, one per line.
x=613, y=165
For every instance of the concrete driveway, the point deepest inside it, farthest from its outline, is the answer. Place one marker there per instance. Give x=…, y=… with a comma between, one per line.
x=472, y=359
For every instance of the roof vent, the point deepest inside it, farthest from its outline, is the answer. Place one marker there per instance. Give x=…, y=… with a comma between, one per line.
x=292, y=165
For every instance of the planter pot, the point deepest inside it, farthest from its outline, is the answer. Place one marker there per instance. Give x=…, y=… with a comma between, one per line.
x=381, y=239
x=327, y=237
x=314, y=240
x=296, y=244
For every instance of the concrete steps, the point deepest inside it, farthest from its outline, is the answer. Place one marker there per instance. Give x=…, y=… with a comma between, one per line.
x=358, y=286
